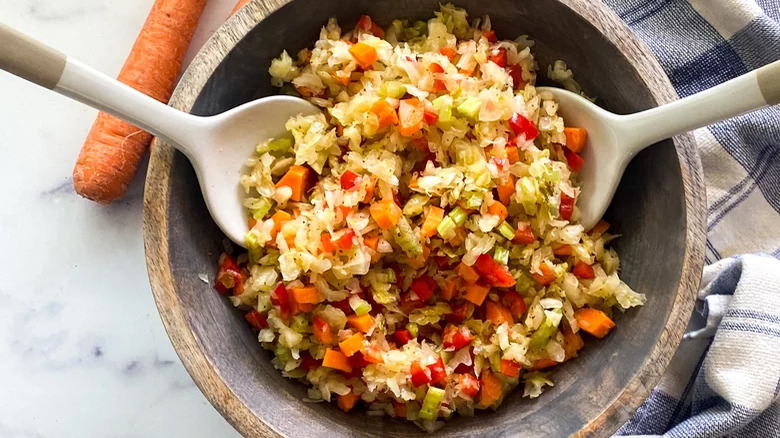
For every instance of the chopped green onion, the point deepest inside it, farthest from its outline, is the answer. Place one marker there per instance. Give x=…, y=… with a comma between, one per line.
x=263, y=206
x=431, y=403
x=283, y=144
x=393, y=89
x=473, y=200
x=501, y=255
x=406, y=239
x=413, y=329
x=458, y=216
x=414, y=205
x=446, y=228
x=359, y=305
x=470, y=107
x=506, y=230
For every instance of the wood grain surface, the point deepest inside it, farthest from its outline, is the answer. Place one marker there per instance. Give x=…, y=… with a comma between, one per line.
x=659, y=209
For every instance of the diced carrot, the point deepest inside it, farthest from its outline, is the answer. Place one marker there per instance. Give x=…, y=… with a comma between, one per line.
x=575, y=139
x=297, y=178
x=306, y=295
x=449, y=289
x=352, y=344
x=476, y=293
x=524, y=235
x=506, y=190
x=371, y=241
x=600, y=228
x=386, y=213
x=498, y=314
x=400, y=409
x=385, y=113
x=306, y=307
x=544, y=363
x=361, y=323
x=327, y=243
x=510, y=368
x=364, y=54
x=594, y=321
x=467, y=273
x=347, y=401
x=336, y=360
x=498, y=209
x=449, y=52
x=432, y=220
x=289, y=234
x=512, y=154
x=411, y=116
x=547, y=275
x=343, y=77
x=563, y=250
x=370, y=189
x=572, y=342
x=252, y=222
x=322, y=330
x=280, y=218
x=583, y=271
x=490, y=389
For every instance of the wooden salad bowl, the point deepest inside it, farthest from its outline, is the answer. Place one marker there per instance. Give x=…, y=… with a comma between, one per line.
x=659, y=211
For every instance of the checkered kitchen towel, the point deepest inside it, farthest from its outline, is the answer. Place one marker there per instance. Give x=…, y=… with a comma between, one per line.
x=725, y=378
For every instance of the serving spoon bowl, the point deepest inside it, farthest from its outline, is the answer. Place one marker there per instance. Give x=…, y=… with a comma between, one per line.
x=613, y=140
x=217, y=146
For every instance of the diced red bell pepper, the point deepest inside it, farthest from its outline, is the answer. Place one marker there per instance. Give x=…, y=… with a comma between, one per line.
x=343, y=305
x=229, y=275
x=344, y=241
x=438, y=372
x=583, y=271
x=421, y=144
x=516, y=72
x=510, y=368
x=514, y=303
x=420, y=375
x=574, y=160
x=281, y=300
x=358, y=361
x=521, y=125
x=322, y=331
x=366, y=24
x=459, y=313
x=496, y=274
x=408, y=304
x=430, y=118
x=308, y=363
x=498, y=56
x=401, y=337
x=490, y=35
x=423, y=287
x=454, y=337
x=348, y=179
x=442, y=262
x=256, y=319
x=567, y=206
x=524, y=235
x=468, y=385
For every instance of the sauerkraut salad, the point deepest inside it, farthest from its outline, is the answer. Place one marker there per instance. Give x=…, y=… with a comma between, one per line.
x=415, y=248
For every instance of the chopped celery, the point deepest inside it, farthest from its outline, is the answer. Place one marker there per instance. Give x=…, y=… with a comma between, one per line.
x=523, y=282
x=289, y=90
x=300, y=324
x=393, y=89
x=495, y=362
x=251, y=243
x=406, y=239
x=415, y=204
x=458, y=216
x=545, y=331
x=297, y=373
x=506, y=230
x=282, y=144
x=359, y=305
x=413, y=329
x=443, y=107
x=446, y=228
x=283, y=353
x=431, y=403
x=528, y=194
x=470, y=107
x=421, y=27
x=473, y=200
x=263, y=206
x=501, y=255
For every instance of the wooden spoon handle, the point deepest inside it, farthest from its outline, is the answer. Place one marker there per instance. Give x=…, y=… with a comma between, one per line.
x=769, y=82
x=30, y=59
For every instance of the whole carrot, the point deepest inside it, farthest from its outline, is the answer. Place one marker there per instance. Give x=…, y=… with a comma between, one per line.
x=114, y=148
x=238, y=6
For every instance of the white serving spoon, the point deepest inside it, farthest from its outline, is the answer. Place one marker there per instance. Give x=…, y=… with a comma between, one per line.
x=613, y=140
x=217, y=146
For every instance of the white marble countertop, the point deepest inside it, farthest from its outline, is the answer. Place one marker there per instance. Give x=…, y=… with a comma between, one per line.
x=83, y=352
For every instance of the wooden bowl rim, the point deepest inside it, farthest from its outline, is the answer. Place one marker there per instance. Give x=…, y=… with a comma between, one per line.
x=185, y=342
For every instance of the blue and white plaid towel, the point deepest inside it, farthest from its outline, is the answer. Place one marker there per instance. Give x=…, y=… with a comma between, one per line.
x=725, y=378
